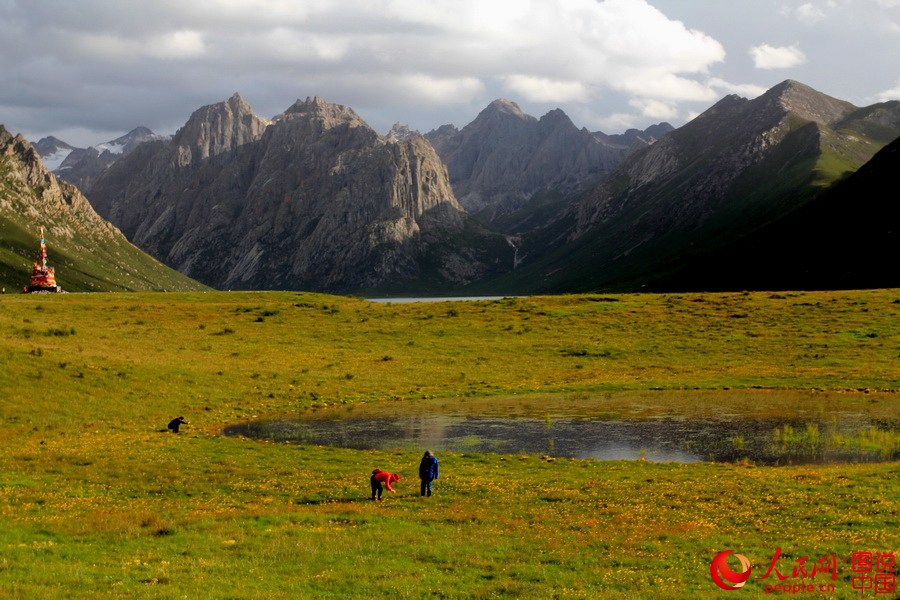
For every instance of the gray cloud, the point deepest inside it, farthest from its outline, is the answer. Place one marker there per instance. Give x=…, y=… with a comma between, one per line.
x=95, y=68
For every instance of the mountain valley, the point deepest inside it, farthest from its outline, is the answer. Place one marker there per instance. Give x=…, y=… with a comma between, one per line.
x=740, y=197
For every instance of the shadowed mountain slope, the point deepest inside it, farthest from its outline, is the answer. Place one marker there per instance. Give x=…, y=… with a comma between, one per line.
x=846, y=238
x=740, y=166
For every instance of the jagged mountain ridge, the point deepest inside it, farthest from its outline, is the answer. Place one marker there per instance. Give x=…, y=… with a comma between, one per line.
x=739, y=166
x=315, y=199
x=504, y=156
x=82, y=166
x=88, y=253
x=244, y=209
x=636, y=138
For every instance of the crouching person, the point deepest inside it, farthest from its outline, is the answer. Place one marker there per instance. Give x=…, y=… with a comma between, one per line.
x=175, y=423
x=382, y=477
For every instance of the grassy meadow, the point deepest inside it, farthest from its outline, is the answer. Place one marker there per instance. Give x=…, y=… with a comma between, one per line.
x=98, y=500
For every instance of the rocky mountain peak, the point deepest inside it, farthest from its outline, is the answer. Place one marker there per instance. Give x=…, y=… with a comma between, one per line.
x=237, y=103
x=802, y=100
x=21, y=149
x=635, y=138
x=501, y=107
x=722, y=162
x=445, y=139
x=140, y=130
x=217, y=128
x=128, y=142
x=504, y=157
x=82, y=166
x=728, y=105
x=657, y=131
x=400, y=132
x=51, y=145
x=327, y=114
x=557, y=118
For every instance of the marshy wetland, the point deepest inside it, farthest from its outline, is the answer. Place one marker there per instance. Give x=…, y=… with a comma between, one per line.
x=97, y=499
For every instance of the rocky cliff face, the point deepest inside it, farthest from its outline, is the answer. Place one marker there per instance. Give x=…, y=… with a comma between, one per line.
x=315, y=200
x=505, y=156
x=53, y=200
x=216, y=129
x=90, y=253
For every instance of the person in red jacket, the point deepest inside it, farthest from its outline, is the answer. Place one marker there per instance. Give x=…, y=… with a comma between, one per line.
x=379, y=477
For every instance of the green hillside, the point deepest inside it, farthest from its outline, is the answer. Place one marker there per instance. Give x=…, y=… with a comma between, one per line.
x=115, y=265
x=88, y=254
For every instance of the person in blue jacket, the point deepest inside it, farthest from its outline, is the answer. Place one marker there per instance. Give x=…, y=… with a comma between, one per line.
x=428, y=471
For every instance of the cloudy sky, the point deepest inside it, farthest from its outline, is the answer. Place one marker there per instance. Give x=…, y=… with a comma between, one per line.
x=88, y=71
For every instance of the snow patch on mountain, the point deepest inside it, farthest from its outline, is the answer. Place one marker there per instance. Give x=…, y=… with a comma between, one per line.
x=54, y=160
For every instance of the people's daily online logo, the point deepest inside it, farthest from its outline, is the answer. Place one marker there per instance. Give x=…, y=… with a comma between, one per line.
x=722, y=574
x=871, y=573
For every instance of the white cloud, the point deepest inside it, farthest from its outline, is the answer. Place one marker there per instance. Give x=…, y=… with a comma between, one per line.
x=100, y=47
x=176, y=45
x=815, y=11
x=809, y=13
x=668, y=87
x=656, y=110
x=614, y=123
x=285, y=45
x=400, y=52
x=112, y=48
x=439, y=90
x=541, y=89
x=777, y=57
x=747, y=90
x=891, y=94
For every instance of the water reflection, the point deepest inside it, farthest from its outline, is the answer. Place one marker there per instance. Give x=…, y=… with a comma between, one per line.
x=663, y=439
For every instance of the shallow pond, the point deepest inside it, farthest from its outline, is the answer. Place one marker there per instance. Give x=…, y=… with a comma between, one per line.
x=411, y=299
x=658, y=426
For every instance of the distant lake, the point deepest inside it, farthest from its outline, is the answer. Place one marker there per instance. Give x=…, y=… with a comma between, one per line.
x=575, y=429
x=407, y=300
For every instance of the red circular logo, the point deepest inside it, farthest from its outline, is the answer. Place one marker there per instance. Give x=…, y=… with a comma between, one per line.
x=720, y=570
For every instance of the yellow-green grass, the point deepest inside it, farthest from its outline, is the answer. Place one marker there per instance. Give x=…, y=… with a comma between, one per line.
x=96, y=501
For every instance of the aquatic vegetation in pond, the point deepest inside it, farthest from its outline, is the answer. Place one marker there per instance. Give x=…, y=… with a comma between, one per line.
x=585, y=433
x=866, y=442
